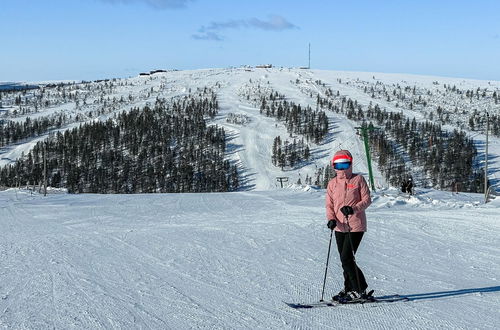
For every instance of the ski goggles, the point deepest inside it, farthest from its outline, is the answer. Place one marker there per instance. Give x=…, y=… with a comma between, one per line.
x=341, y=166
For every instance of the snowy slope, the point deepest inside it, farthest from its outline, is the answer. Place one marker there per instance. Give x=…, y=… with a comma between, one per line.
x=231, y=261
x=250, y=145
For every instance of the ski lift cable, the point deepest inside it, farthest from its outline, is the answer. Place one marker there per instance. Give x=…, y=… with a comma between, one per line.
x=343, y=141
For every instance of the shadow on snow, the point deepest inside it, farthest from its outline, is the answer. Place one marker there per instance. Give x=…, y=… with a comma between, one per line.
x=444, y=294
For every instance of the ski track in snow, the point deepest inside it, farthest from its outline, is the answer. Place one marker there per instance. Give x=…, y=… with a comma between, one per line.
x=231, y=261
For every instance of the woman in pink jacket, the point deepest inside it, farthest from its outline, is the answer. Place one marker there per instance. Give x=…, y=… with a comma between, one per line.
x=347, y=198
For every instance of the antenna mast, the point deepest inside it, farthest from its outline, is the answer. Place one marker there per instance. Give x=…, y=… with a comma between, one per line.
x=309, y=66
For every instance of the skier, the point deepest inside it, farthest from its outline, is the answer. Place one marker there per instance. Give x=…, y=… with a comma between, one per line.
x=347, y=198
x=403, y=186
x=409, y=186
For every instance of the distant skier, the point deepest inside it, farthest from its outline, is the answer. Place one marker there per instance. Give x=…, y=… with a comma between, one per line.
x=403, y=186
x=347, y=198
x=407, y=185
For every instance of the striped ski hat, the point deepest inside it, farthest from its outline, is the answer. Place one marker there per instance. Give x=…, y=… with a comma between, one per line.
x=342, y=156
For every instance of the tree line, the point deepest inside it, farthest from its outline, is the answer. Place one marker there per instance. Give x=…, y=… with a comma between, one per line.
x=165, y=148
x=403, y=147
x=13, y=131
x=446, y=159
x=451, y=105
x=289, y=153
x=313, y=124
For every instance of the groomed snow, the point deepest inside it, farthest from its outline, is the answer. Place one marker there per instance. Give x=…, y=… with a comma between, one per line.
x=231, y=261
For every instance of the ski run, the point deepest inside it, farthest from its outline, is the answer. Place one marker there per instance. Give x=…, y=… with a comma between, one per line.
x=234, y=260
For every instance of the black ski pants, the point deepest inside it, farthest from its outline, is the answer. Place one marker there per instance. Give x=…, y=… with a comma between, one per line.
x=352, y=273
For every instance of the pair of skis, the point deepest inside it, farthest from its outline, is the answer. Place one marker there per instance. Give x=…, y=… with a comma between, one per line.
x=332, y=303
x=368, y=298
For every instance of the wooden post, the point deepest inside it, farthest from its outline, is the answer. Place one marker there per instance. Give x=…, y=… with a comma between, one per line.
x=45, y=168
x=486, y=159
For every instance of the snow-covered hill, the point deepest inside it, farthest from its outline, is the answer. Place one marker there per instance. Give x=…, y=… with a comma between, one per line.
x=232, y=260
x=238, y=89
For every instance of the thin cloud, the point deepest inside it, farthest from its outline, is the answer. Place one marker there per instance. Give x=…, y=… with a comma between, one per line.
x=217, y=26
x=158, y=4
x=208, y=36
x=274, y=23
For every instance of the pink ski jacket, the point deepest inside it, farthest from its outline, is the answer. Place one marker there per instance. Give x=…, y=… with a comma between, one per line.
x=347, y=189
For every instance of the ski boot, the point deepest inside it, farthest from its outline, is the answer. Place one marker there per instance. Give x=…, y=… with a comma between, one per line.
x=355, y=297
x=339, y=296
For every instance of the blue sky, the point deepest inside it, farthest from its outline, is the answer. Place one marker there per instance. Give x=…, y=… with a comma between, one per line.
x=93, y=39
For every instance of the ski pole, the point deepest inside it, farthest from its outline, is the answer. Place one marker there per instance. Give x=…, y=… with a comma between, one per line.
x=352, y=250
x=326, y=269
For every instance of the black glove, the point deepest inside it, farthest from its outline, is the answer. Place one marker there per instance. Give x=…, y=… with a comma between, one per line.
x=331, y=224
x=346, y=210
